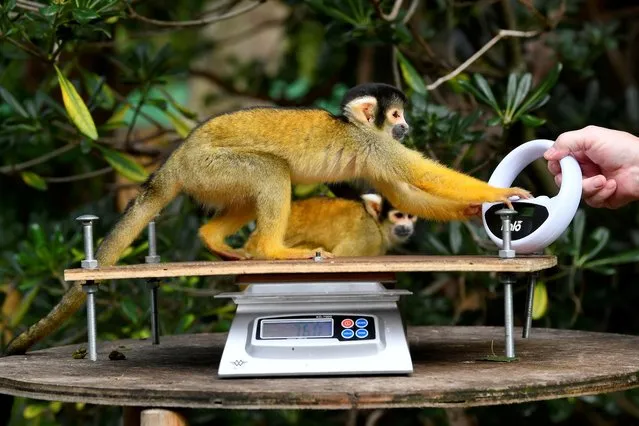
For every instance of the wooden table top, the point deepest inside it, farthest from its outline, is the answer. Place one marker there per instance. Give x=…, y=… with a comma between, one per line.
x=448, y=371
x=418, y=263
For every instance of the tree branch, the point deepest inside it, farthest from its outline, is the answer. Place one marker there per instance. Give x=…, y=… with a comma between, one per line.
x=82, y=176
x=394, y=11
x=39, y=160
x=195, y=22
x=501, y=34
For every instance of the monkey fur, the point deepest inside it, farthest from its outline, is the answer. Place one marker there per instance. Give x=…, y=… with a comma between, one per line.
x=244, y=163
x=344, y=227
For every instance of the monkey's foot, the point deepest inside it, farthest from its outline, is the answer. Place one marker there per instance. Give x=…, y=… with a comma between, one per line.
x=286, y=253
x=228, y=253
x=513, y=192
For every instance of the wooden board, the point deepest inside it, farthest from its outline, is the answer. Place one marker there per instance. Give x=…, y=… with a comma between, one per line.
x=181, y=372
x=335, y=265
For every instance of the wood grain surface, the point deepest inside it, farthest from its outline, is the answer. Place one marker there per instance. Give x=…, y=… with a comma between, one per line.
x=335, y=265
x=449, y=372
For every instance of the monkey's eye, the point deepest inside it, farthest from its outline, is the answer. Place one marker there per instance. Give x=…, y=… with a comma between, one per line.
x=398, y=215
x=396, y=114
x=410, y=216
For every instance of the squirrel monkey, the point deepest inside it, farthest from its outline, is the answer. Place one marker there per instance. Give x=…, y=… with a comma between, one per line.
x=368, y=227
x=244, y=163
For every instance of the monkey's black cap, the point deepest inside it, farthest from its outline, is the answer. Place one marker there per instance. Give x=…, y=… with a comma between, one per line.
x=385, y=94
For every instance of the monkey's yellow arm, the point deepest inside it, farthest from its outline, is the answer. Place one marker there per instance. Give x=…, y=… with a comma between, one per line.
x=443, y=182
x=410, y=199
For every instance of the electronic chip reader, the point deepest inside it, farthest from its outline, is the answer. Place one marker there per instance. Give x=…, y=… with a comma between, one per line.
x=315, y=328
x=540, y=220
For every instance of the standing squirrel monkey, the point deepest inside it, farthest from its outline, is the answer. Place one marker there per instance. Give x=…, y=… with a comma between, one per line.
x=244, y=163
x=368, y=227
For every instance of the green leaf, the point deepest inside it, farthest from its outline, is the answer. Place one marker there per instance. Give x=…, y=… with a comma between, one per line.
x=410, y=74
x=130, y=309
x=25, y=303
x=8, y=6
x=578, y=225
x=540, y=300
x=437, y=245
x=34, y=180
x=303, y=190
x=541, y=90
x=51, y=10
x=9, y=99
x=522, y=90
x=180, y=126
x=124, y=164
x=531, y=120
x=511, y=90
x=485, y=89
x=600, y=236
x=33, y=411
x=493, y=121
x=84, y=16
x=455, y=236
x=158, y=103
x=76, y=108
x=185, y=322
x=627, y=257
x=183, y=110
x=119, y=115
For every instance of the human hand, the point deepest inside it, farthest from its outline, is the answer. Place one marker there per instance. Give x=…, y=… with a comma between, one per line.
x=609, y=161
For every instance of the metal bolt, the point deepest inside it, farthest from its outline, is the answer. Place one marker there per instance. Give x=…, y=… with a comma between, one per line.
x=87, y=224
x=508, y=279
x=153, y=256
x=155, y=325
x=318, y=256
x=506, y=216
x=90, y=289
x=529, y=304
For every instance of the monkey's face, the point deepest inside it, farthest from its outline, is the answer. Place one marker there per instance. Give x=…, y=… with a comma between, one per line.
x=400, y=226
x=377, y=106
x=395, y=123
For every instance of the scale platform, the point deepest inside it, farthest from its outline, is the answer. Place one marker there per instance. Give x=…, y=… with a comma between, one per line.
x=316, y=328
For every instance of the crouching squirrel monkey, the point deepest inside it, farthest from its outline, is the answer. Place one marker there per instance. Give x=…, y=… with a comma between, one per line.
x=244, y=163
x=368, y=227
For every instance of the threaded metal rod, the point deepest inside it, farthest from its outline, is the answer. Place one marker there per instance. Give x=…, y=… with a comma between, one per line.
x=91, y=289
x=530, y=297
x=155, y=326
x=508, y=281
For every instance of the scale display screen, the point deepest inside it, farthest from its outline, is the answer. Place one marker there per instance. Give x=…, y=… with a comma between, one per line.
x=296, y=328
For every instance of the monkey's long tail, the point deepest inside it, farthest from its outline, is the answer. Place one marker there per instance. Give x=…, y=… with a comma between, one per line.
x=156, y=193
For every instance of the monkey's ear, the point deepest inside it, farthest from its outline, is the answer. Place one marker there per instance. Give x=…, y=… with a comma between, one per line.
x=362, y=109
x=373, y=204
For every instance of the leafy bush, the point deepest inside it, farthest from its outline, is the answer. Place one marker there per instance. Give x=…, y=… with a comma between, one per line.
x=96, y=93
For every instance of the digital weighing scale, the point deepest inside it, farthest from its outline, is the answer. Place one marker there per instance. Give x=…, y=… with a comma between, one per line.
x=316, y=328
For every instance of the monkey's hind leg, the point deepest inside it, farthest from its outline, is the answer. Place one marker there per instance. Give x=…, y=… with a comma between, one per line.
x=226, y=223
x=273, y=207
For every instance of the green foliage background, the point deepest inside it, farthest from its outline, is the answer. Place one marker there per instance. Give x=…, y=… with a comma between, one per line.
x=79, y=78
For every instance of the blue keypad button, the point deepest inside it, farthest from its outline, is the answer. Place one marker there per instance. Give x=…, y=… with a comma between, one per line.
x=361, y=322
x=362, y=333
x=348, y=333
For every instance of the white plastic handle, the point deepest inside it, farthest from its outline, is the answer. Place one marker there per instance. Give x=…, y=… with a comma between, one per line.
x=561, y=208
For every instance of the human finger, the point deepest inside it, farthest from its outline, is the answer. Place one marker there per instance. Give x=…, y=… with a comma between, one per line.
x=592, y=186
x=554, y=167
x=571, y=142
x=601, y=197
